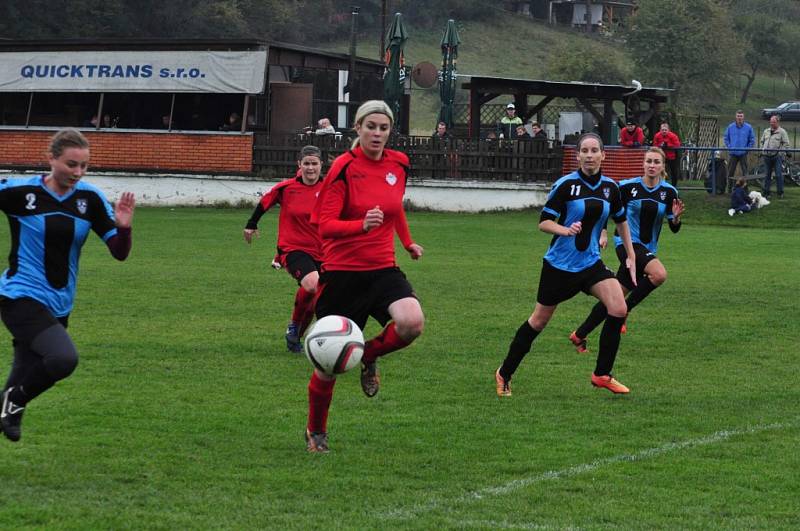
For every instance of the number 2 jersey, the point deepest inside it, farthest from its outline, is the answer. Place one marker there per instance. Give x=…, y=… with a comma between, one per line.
x=590, y=200
x=47, y=233
x=646, y=209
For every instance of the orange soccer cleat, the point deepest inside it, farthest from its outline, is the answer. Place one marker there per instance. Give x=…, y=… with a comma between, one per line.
x=316, y=442
x=579, y=342
x=609, y=383
x=503, y=385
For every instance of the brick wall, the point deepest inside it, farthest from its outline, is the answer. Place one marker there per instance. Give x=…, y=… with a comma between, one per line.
x=123, y=150
x=621, y=163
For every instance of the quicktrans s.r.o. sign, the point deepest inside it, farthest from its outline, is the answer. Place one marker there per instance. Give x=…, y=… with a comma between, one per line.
x=141, y=71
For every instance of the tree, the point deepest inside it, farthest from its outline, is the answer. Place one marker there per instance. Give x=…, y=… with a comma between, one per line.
x=583, y=62
x=687, y=46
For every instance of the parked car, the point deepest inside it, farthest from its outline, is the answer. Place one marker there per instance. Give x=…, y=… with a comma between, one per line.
x=788, y=111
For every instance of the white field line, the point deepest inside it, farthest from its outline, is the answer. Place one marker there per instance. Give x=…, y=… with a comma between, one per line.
x=407, y=513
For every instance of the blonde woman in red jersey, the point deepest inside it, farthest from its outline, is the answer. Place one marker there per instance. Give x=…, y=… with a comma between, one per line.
x=299, y=245
x=358, y=212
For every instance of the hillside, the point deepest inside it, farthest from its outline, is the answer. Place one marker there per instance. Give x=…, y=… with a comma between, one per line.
x=517, y=47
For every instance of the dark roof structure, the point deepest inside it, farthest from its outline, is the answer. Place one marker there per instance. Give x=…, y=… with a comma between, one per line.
x=590, y=96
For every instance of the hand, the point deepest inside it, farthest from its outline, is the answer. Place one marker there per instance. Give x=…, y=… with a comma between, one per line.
x=677, y=210
x=630, y=263
x=573, y=229
x=249, y=234
x=415, y=250
x=374, y=218
x=123, y=210
x=603, y=239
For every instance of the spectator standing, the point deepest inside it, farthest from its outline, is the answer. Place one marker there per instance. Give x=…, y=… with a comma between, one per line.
x=669, y=143
x=234, y=123
x=507, y=126
x=773, y=142
x=738, y=137
x=632, y=135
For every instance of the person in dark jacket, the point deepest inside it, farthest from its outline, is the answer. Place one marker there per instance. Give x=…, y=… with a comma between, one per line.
x=740, y=200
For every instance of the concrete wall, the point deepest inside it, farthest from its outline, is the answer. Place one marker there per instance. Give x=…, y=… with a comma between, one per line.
x=193, y=190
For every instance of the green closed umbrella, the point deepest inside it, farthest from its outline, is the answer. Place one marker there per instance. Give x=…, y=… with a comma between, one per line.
x=394, y=76
x=447, y=75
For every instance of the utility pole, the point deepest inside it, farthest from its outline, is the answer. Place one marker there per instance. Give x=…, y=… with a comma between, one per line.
x=353, y=35
x=383, y=30
x=588, y=16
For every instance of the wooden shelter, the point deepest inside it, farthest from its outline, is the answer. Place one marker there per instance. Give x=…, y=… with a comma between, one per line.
x=643, y=104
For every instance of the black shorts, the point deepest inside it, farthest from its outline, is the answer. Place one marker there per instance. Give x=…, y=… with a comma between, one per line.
x=26, y=318
x=299, y=264
x=361, y=294
x=643, y=257
x=557, y=285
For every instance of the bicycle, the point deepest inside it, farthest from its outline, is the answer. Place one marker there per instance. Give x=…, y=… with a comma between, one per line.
x=790, y=170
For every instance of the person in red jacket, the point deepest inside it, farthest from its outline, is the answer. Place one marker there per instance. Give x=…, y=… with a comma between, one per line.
x=631, y=135
x=358, y=211
x=299, y=244
x=669, y=143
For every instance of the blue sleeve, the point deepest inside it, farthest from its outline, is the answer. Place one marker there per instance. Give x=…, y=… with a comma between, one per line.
x=727, y=139
x=751, y=138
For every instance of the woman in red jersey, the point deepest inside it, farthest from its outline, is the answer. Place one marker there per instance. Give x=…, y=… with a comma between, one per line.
x=299, y=245
x=358, y=212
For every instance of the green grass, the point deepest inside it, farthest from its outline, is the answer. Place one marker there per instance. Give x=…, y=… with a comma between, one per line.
x=187, y=412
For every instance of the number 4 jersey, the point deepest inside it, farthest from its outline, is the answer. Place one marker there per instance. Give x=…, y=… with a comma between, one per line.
x=590, y=200
x=47, y=233
x=646, y=208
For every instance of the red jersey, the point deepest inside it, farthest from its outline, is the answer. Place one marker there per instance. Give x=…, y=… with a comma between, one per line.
x=295, y=232
x=668, y=142
x=628, y=139
x=355, y=184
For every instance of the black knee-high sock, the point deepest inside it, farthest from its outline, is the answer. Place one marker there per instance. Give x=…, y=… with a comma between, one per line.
x=643, y=289
x=609, y=344
x=595, y=317
x=520, y=345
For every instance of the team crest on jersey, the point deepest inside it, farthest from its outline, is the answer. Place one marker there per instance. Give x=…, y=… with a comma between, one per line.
x=83, y=205
x=391, y=178
x=663, y=194
x=606, y=192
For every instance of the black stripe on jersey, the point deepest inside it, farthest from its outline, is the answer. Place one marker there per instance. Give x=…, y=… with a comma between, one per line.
x=58, y=236
x=13, y=255
x=592, y=210
x=648, y=210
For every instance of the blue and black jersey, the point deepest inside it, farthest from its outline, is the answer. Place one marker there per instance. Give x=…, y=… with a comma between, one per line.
x=647, y=208
x=47, y=233
x=590, y=200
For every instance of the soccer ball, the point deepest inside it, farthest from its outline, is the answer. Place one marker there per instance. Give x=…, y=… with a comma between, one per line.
x=334, y=344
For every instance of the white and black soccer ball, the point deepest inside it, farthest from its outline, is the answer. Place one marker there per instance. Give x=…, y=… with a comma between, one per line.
x=334, y=344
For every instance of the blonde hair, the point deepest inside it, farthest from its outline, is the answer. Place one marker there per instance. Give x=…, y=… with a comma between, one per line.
x=67, y=138
x=372, y=107
x=660, y=151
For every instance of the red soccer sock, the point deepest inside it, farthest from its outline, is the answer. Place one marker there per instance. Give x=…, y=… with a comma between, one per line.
x=306, y=320
x=303, y=303
x=387, y=341
x=320, y=394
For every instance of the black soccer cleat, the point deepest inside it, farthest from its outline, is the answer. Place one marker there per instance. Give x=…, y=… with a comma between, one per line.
x=370, y=379
x=11, y=417
x=293, y=343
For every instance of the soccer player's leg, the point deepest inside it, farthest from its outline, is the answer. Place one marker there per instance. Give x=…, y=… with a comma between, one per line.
x=398, y=309
x=304, y=269
x=654, y=275
x=44, y=354
x=608, y=290
x=320, y=395
x=555, y=286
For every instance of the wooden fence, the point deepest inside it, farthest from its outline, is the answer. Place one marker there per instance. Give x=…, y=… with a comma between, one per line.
x=457, y=159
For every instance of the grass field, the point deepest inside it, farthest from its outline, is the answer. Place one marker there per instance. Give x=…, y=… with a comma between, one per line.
x=187, y=412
